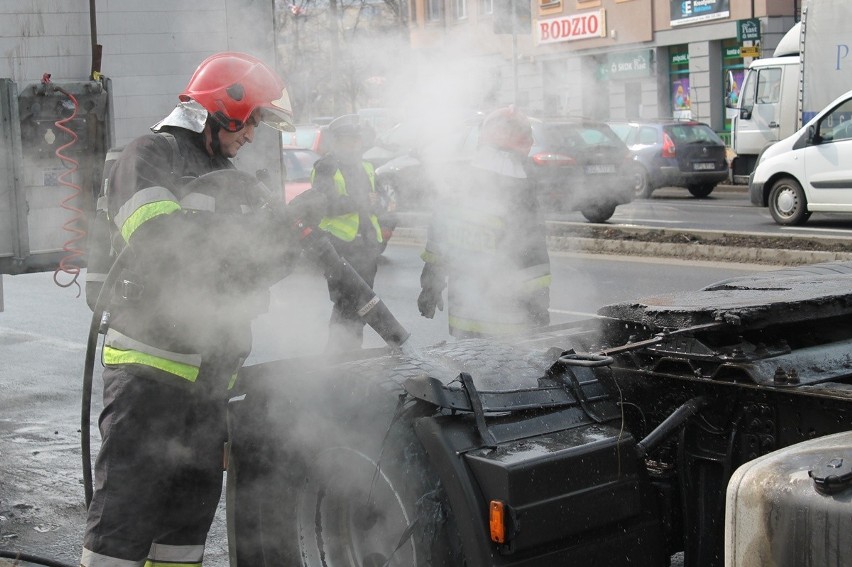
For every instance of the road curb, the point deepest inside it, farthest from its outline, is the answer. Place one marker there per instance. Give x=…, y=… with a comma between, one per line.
x=687, y=250
x=694, y=251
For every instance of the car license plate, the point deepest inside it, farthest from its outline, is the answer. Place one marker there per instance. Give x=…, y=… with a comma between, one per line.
x=703, y=165
x=597, y=169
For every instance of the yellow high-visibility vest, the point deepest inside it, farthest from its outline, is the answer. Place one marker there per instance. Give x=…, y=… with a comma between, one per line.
x=345, y=227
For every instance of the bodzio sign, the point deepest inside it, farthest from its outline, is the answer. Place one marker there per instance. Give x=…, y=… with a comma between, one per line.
x=570, y=28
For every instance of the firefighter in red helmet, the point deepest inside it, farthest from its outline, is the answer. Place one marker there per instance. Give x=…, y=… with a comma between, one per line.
x=486, y=243
x=180, y=316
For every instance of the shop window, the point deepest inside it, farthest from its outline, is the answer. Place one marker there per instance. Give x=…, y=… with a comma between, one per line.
x=461, y=9
x=679, y=81
x=434, y=10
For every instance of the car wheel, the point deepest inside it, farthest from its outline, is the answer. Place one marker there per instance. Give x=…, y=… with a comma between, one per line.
x=599, y=213
x=787, y=202
x=334, y=475
x=701, y=191
x=642, y=188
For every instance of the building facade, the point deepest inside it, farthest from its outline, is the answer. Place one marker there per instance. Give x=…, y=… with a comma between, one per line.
x=608, y=59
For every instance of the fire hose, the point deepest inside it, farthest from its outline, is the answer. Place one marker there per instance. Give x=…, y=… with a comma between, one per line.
x=34, y=559
x=316, y=246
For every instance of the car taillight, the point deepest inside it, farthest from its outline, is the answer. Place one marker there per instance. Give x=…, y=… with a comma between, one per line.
x=549, y=159
x=668, y=147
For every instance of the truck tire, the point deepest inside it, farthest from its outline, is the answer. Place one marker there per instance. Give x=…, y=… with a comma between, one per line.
x=787, y=202
x=339, y=481
x=303, y=485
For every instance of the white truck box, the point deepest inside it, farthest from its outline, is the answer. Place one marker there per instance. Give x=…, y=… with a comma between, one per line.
x=811, y=66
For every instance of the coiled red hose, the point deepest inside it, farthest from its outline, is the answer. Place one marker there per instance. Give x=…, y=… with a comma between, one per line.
x=68, y=263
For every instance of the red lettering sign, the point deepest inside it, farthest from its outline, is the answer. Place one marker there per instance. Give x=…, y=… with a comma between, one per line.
x=569, y=28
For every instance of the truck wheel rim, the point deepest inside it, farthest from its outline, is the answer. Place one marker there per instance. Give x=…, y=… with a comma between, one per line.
x=348, y=514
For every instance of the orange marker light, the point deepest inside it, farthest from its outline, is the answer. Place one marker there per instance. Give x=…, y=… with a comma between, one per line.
x=496, y=521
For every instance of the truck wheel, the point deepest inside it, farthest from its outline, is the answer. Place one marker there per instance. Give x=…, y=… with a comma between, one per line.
x=303, y=485
x=334, y=476
x=787, y=202
x=599, y=213
x=701, y=191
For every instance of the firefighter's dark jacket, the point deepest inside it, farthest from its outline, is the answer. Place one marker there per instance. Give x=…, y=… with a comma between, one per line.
x=201, y=264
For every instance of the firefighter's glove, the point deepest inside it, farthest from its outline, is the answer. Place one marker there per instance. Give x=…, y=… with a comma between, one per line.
x=309, y=207
x=428, y=300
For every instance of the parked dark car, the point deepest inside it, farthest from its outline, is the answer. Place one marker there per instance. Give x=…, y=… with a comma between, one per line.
x=578, y=165
x=674, y=153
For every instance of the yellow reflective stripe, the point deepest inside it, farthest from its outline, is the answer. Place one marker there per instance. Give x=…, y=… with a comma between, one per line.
x=538, y=283
x=143, y=197
x=375, y=222
x=371, y=173
x=233, y=381
x=487, y=327
x=344, y=227
x=339, y=182
x=112, y=355
x=430, y=257
x=144, y=214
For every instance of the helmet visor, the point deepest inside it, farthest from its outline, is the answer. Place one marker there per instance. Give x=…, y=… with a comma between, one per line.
x=279, y=113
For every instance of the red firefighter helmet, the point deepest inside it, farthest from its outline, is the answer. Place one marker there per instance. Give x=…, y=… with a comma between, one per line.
x=232, y=85
x=507, y=128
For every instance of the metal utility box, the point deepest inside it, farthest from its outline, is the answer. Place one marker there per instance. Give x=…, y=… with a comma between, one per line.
x=49, y=178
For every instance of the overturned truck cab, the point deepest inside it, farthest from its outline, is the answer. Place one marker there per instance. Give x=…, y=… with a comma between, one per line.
x=608, y=442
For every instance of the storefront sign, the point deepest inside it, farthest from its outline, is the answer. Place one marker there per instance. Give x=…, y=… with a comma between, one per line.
x=585, y=25
x=693, y=11
x=627, y=65
x=680, y=59
x=748, y=30
x=750, y=51
x=732, y=52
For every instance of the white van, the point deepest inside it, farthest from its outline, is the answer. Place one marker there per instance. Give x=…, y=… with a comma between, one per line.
x=810, y=170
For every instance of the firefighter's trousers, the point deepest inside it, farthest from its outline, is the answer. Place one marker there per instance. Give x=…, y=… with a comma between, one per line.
x=158, y=476
x=346, y=328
